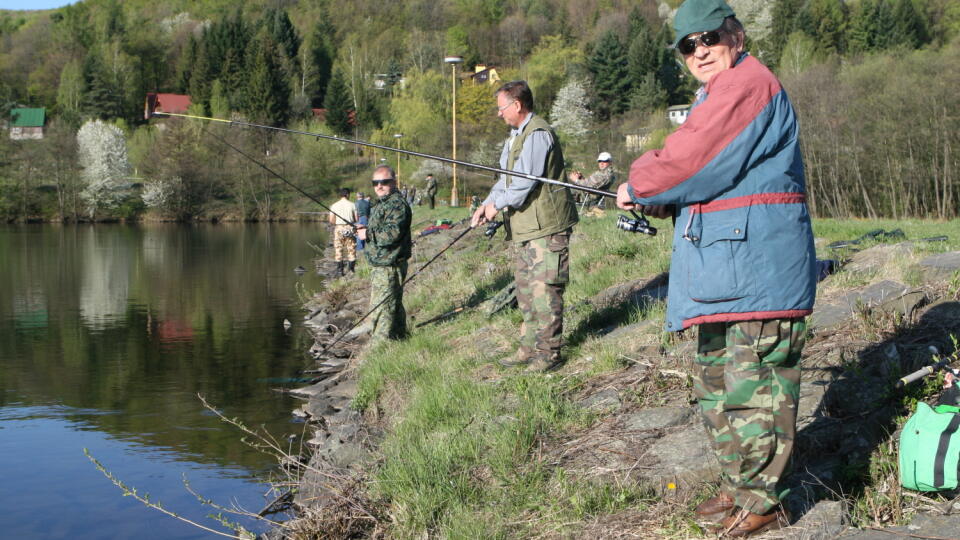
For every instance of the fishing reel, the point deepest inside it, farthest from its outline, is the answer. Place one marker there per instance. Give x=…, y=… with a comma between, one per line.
x=637, y=224
x=492, y=228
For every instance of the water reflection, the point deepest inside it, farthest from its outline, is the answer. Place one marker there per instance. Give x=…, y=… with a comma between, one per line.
x=115, y=330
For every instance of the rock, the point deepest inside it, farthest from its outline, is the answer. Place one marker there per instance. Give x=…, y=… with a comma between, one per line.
x=922, y=526
x=877, y=257
x=888, y=295
x=941, y=266
x=825, y=521
x=657, y=418
x=603, y=400
x=694, y=465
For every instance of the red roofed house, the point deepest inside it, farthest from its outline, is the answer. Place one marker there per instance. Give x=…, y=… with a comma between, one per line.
x=168, y=103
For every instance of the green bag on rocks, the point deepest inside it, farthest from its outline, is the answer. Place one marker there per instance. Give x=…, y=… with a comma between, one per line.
x=930, y=448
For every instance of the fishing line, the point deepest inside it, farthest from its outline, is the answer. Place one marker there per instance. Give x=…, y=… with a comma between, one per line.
x=389, y=296
x=319, y=136
x=271, y=171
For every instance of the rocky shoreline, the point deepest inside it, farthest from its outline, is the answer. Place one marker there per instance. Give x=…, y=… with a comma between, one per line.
x=842, y=419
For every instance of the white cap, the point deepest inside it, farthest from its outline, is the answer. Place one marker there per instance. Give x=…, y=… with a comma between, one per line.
x=604, y=156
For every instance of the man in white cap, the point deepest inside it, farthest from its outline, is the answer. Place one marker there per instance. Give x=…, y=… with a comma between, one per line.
x=602, y=179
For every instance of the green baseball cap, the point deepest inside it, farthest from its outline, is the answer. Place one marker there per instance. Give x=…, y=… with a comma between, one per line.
x=699, y=16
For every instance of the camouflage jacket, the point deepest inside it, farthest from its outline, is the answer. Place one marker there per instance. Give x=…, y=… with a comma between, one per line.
x=601, y=179
x=388, y=231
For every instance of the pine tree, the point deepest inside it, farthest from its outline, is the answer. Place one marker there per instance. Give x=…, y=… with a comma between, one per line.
x=338, y=104
x=782, y=25
x=649, y=95
x=863, y=27
x=911, y=29
x=643, y=57
x=611, y=83
x=322, y=54
x=267, y=91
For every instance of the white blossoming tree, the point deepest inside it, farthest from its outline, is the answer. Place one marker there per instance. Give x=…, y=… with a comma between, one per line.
x=570, y=115
x=102, y=151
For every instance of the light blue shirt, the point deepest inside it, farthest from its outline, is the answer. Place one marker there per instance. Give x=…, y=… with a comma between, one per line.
x=532, y=161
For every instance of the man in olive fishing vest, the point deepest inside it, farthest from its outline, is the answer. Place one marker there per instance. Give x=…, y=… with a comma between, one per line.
x=538, y=217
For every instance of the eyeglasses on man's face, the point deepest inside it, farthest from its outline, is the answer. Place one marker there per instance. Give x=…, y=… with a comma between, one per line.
x=707, y=39
x=382, y=182
x=505, y=106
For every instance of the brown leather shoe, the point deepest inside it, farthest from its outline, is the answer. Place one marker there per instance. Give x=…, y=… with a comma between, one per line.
x=715, y=508
x=745, y=523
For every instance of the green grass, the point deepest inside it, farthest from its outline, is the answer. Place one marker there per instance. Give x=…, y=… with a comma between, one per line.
x=464, y=445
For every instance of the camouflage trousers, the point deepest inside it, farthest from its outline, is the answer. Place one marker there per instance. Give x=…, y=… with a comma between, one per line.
x=748, y=387
x=344, y=243
x=386, y=290
x=542, y=271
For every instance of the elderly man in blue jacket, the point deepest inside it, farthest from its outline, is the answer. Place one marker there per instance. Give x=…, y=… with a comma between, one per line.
x=743, y=267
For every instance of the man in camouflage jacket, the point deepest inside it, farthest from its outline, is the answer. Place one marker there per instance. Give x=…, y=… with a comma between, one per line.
x=602, y=179
x=388, y=249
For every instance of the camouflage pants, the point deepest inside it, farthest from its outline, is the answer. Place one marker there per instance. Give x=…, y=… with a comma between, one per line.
x=748, y=387
x=386, y=290
x=344, y=243
x=542, y=272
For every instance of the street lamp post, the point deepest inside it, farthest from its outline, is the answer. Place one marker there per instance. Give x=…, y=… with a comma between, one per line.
x=397, y=137
x=453, y=61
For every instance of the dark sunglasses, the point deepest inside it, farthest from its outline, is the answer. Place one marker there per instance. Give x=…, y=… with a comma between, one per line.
x=707, y=39
x=383, y=182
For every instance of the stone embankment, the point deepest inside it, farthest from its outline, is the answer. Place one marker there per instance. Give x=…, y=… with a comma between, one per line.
x=869, y=326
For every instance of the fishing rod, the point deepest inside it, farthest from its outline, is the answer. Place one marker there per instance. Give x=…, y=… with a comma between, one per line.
x=285, y=181
x=389, y=296
x=398, y=150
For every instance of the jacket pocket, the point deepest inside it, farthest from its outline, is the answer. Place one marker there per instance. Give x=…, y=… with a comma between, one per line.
x=718, y=270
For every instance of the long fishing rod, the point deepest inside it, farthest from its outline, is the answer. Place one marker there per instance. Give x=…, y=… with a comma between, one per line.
x=285, y=181
x=389, y=296
x=398, y=150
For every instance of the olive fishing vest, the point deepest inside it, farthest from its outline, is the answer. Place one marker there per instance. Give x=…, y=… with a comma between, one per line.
x=548, y=208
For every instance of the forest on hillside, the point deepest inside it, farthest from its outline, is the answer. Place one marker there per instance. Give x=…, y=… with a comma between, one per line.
x=872, y=81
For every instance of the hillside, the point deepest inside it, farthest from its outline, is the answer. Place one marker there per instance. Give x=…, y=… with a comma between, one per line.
x=872, y=81
x=430, y=437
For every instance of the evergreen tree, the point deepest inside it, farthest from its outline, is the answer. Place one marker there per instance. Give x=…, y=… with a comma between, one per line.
x=611, y=83
x=283, y=33
x=187, y=60
x=825, y=21
x=394, y=74
x=201, y=80
x=649, y=95
x=669, y=70
x=267, y=92
x=101, y=99
x=338, y=104
x=643, y=57
x=322, y=54
x=863, y=27
x=782, y=25
x=911, y=29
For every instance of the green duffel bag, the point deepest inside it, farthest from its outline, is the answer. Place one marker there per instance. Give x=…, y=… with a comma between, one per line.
x=930, y=448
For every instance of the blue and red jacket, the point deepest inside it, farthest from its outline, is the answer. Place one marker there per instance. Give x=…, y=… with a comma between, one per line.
x=743, y=244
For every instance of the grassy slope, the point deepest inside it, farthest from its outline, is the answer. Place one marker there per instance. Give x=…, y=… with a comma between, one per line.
x=463, y=450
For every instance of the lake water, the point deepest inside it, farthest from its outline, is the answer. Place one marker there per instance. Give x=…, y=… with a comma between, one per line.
x=107, y=335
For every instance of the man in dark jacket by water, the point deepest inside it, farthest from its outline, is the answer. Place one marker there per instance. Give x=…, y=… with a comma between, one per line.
x=390, y=246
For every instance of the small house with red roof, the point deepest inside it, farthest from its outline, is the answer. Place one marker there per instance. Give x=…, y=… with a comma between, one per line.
x=168, y=103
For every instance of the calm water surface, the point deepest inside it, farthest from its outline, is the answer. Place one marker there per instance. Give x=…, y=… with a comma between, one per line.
x=107, y=335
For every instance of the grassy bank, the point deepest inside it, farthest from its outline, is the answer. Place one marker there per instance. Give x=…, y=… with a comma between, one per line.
x=468, y=443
